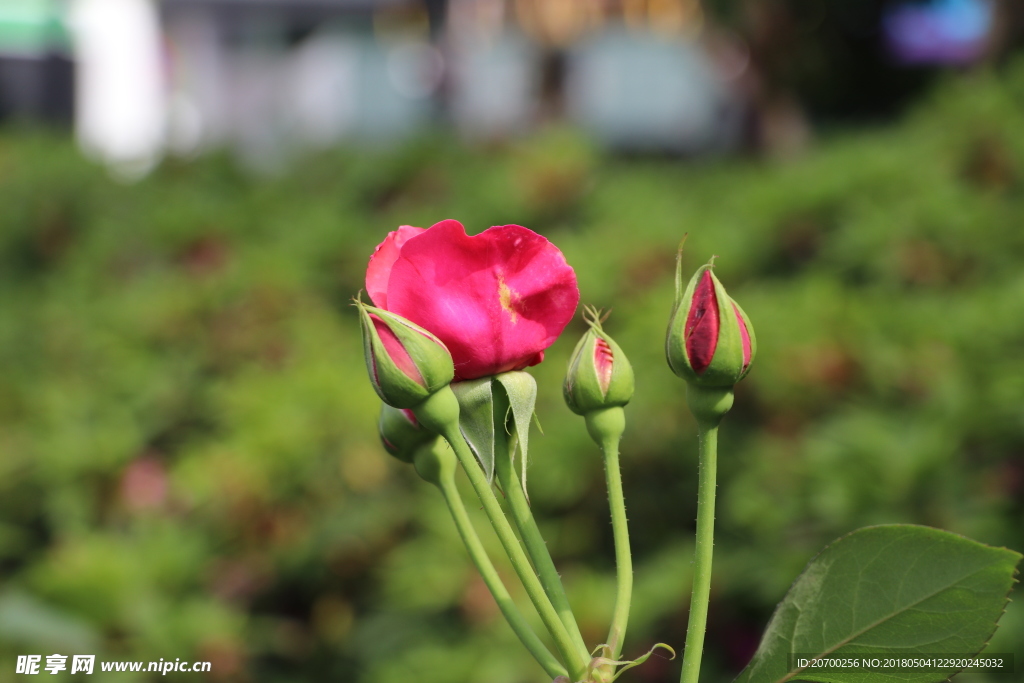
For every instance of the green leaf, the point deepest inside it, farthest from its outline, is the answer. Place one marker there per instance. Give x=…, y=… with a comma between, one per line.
x=897, y=589
x=521, y=389
x=476, y=419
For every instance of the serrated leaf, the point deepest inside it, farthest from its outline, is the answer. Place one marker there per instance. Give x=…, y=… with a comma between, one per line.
x=476, y=419
x=521, y=389
x=896, y=589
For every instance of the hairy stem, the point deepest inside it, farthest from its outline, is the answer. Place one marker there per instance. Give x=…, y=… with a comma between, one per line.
x=708, y=448
x=623, y=559
x=440, y=414
x=536, y=548
x=508, y=608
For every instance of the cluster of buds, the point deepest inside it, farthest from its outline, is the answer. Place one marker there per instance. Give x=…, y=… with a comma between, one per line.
x=710, y=344
x=407, y=365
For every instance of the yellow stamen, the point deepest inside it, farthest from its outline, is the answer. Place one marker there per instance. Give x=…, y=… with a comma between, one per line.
x=505, y=295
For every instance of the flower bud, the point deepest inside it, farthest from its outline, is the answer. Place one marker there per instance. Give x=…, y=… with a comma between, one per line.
x=710, y=340
x=405, y=362
x=599, y=374
x=401, y=433
x=436, y=462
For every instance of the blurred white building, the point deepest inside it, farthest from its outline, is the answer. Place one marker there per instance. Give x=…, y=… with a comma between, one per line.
x=120, y=93
x=266, y=77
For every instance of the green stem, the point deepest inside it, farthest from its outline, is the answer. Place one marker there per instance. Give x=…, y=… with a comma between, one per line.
x=490, y=576
x=623, y=559
x=520, y=562
x=440, y=414
x=536, y=548
x=708, y=439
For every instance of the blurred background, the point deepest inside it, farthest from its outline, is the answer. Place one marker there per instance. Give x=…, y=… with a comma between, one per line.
x=191, y=189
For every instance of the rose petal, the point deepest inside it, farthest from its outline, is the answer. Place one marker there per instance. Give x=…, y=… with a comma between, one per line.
x=604, y=361
x=702, y=325
x=384, y=256
x=496, y=300
x=399, y=356
x=745, y=335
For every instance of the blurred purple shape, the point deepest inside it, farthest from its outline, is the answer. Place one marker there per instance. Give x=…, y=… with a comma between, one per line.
x=939, y=32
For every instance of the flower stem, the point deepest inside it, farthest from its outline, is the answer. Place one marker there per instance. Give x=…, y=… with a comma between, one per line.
x=440, y=414
x=520, y=562
x=536, y=548
x=707, y=431
x=490, y=576
x=623, y=559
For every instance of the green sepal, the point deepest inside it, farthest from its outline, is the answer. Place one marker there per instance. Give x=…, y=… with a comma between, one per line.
x=521, y=390
x=427, y=353
x=726, y=366
x=603, y=660
x=675, y=339
x=476, y=419
x=482, y=413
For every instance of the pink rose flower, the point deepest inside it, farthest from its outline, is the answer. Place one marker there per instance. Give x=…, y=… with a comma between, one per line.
x=496, y=299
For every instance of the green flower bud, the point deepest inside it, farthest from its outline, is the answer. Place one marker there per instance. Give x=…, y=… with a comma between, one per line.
x=435, y=462
x=710, y=340
x=599, y=374
x=406, y=363
x=401, y=433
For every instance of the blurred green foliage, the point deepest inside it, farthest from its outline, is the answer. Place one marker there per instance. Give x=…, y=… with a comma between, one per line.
x=187, y=437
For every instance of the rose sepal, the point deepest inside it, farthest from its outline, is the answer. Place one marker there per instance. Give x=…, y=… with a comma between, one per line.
x=410, y=366
x=481, y=414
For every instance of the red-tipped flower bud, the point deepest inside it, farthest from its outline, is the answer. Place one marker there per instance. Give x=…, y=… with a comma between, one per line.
x=599, y=374
x=401, y=433
x=405, y=362
x=710, y=340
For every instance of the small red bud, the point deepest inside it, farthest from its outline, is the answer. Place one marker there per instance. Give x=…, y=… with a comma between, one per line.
x=703, y=346
x=599, y=375
x=406, y=363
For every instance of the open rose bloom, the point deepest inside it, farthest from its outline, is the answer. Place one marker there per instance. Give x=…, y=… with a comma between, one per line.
x=496, y=299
